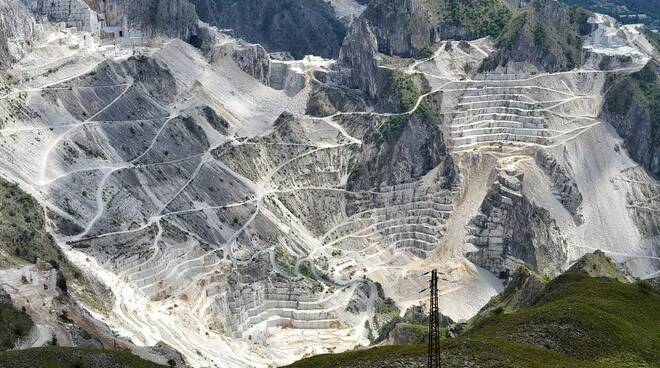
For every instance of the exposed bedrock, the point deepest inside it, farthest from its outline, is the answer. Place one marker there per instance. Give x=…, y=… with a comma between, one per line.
x=273, y=70
x=174, y=18
x=643, y=197
x=401, y=27
x=564, y=186
x=510, y=231
x=401, y=149
x=545, y=35
x=301, y=27
x=16, y=31
x=191, y=179
x=408, y=28
x=359, y=64
x=326, y=100
x=359, y=60
x=632, y=106
x=523, y=290
x=250, y=58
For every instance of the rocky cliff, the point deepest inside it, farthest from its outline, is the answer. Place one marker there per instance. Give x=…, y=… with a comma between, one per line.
x=16, y=31
x=512, y=231
x=301, y=27
x=632, y=106
x=175, y=18
x=409, y=28
x=359, y=55
x=545, y=35
x=248, y=209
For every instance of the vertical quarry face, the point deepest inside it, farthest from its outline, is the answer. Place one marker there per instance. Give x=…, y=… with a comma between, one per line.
x=16, y=31
x=248, y=208
x=301, y=27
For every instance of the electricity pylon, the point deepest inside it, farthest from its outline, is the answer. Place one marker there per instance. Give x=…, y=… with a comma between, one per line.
x=433, y=352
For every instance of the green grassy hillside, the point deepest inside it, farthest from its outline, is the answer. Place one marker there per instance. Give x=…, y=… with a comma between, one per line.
x=58, y=357
x=15, y=326
x=579, y=322
x=24, y=239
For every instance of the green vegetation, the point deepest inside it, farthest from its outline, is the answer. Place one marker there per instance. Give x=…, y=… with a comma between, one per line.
x=545, y=33
x=22, y=228
x=15, y=326
x=285, y=260
x=23, y=239
x=60, y=357
x=23, y=231
x=539, y=34
x=425, y=53
x=483, y=17
x=523, y=289
x=418, y=333
x=591, y=319
x=579, y=322
x=404, y=89
x=513, y=29
x=386, y=313
x=390, y=131
x=306, y=270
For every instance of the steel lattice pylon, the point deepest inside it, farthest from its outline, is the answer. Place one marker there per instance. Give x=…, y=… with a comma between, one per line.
x=433, y=352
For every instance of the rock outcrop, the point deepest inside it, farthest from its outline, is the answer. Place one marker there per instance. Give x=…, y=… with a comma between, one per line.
x=327, y=100
x=401, y=150
x=511, y=231
x=408, y=28
x=564, y=186
x=523, y=289
x=175, y=18
x=598, y=264
x=301, y=27
x=17, y=30
x=359, y=57
x=545, y=35
x=402, y=28
x=235, y=200
x=632, y=106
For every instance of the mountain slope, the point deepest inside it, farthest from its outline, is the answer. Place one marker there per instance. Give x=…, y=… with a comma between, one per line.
x=632, y=106
x=247, y=209
x=545, y=34
x=57, y=357
x=578, y=321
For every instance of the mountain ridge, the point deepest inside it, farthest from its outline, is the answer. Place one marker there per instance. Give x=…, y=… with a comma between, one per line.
x=232, y=199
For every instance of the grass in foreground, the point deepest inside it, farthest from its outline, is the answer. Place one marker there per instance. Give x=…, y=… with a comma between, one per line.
x=580, y=322
x=59, y=357
x=15, y=326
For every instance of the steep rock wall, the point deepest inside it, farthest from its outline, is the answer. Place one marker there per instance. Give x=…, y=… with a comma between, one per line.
x=16, y=31
x=301, y=27
x=632, y=106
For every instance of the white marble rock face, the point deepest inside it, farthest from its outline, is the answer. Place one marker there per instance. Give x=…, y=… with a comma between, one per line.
x=229, y=223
